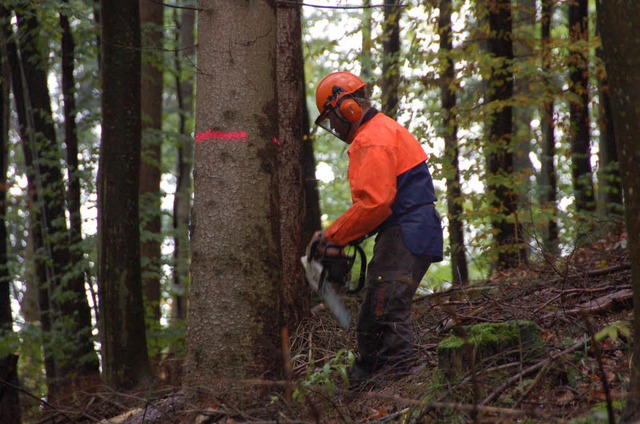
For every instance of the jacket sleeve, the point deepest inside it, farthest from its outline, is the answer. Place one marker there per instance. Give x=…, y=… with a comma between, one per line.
x=372, y=178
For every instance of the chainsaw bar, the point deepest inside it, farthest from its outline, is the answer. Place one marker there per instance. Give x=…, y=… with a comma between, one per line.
x=316, y=277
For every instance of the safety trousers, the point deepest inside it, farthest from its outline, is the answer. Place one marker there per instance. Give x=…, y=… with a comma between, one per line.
x=385, y=331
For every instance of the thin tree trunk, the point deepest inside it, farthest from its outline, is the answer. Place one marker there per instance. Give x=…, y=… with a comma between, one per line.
x=184, y=168
x=508, y=234
x=9, y=399
x=579, y=109
x=609, y=187
x=525, y=17
x=459, y=267
x=78, y=267
x=548, y=182
x=366, y=60
x=391, y=57
x=58, y=295
x=122, y=326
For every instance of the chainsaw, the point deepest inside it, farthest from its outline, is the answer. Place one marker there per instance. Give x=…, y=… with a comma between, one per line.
x=323, y=271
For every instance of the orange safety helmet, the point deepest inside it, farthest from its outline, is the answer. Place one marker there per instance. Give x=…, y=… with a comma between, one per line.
x=335, y=91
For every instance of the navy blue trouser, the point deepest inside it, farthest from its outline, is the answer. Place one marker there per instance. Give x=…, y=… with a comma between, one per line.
x=384, y=331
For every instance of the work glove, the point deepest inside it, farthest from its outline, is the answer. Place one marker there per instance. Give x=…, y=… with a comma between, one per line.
x=319, y=248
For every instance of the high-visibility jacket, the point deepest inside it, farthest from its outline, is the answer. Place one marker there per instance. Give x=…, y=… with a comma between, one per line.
x=390, y=184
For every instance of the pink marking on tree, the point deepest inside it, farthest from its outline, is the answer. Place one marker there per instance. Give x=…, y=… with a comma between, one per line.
x=221, y=136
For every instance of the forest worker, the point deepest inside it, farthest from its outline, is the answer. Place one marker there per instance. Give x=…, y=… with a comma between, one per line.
x=393, y=196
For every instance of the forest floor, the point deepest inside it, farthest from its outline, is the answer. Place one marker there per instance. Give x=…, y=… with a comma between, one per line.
x=573, y=301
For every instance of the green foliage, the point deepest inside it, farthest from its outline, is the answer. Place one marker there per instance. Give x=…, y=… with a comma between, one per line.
x=325, y=378
x=615, y=331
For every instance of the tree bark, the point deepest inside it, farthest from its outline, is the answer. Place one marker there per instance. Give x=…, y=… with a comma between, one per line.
x=122, y=326
x=391, y=57
x=548, y=182
x=9, y=399
x=234, y=330
x=500, y=179
x=151, y=20
x=579, y=109
x=459, y=267
x=609, y=185
x=184, y=183
x=64, y=309
x=620, y=50
x=292, y=119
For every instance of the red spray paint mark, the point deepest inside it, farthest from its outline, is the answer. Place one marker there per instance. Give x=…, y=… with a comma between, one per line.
x=275, y=140
x=221, y=136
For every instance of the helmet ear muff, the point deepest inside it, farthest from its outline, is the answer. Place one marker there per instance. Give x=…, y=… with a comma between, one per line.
x=350, y=109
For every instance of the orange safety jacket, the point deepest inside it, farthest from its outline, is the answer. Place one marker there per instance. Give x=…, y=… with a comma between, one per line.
x=383, y=155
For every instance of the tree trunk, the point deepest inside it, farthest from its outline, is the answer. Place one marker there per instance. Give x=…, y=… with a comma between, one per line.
x=78, y=267
x=620, y=50
x=609, y=187
x=547, y=181
x=507, y=230
x=184, y=183
x=122, y=326
x=366, y=60
x=63, y=303
x=525, y=17
x=151, y=21
x=291, y=135
x=9, y=399
x=579, y=108
x=391, y=57
x=459, y=267
x=234, y=330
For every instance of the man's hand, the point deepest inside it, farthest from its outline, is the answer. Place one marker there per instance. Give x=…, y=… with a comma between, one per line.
x=318, y=247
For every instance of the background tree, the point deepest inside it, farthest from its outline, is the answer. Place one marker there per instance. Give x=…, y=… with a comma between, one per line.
x=122, y=326
x=9, y=400
x=609, y=188
x=620, y=51
x=547, y=179
x=233, y=331
x=390, y=80
x=151, y=20
x=579, y=106
x=64, y=309
x=459, y=268
x=184, y=65
x=507, y=231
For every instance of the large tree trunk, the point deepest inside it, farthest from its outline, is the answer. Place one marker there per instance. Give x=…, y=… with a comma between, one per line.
x=547, y=180
x=151, y=21
x=122, y=327
x=504, y=197
x=291, y=132
x=620, y=50
x=9, y=399
x=579, y=108
x=234, y=330
x=391, y=57
x=184, y=168
x=459, y=267
x=63, y=303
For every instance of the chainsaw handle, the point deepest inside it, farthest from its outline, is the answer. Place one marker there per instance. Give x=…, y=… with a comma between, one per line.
x=320, y=248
